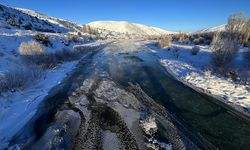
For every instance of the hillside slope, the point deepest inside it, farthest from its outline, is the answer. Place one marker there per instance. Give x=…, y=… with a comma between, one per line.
x=213, y=29
x=62, y=23
x=13, y=19
x=124, y=27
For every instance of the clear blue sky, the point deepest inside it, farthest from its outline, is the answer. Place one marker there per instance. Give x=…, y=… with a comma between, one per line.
x=176, y=15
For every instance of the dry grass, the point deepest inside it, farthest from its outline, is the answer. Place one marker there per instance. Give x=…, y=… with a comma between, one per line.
x=224, y=49
x=19, y=77
x=165, y=41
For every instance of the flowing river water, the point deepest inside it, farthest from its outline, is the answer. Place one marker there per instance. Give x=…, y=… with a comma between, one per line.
x=211, y=121
x=137, y=64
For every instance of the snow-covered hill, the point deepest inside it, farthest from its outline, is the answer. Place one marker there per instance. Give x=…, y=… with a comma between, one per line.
x=62, y=23
x=124, y=27
x=13, y=19
x=213, y=29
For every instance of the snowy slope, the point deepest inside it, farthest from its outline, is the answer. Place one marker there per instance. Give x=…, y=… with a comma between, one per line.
x=129, y=28
x=13, y=19
x=213, y=29
x=73, y=27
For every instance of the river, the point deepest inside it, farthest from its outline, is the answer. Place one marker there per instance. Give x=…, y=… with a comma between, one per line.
x=126, y=62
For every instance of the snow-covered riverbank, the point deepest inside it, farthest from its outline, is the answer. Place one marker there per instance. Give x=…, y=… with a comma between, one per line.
x=192, y=71
x=18, y=107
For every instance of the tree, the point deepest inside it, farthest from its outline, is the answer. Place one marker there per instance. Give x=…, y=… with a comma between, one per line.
x=239, y=28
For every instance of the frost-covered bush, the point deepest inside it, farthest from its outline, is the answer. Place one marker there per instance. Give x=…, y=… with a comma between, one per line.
x=43, y=39
x=239, y=28
x=165, y=41
x=195, y=50
x=224, y=49
x=18, y=77
x=181, y=37
x=73, y=37
x=34, y=53
x=31, y=48
x=199, y=41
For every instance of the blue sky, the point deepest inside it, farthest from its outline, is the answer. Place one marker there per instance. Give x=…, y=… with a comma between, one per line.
x=175, y=15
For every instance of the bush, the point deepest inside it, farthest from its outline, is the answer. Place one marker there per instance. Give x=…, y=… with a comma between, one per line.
x=31, y=48
x=239, y=27
x=19, y=77
x=165, y=41
x=34, y=53
x=181, y=37
x=73, y=37
x=12, y=22
x=43, y=39
x=224, y=48
x=195, y=50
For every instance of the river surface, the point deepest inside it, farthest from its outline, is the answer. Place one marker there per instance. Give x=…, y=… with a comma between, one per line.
x=207, y=119
x=132, y=62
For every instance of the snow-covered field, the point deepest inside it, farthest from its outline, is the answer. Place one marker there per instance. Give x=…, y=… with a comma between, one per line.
x=193, y=71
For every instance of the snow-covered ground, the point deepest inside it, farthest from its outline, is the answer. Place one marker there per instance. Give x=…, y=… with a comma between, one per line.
x=192, y=71
x=16, y=108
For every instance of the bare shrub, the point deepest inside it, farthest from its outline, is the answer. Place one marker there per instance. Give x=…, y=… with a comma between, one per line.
x=12, y=22
x=73, y=37
x=195, y=50
x=239, y=27
x=19, y=77
x=224, y=48
x=43, y=39
x=165, y=41
x=34, y=53
x=31, y=48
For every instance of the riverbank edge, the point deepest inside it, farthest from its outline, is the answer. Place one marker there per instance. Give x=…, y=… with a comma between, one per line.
x=237, y=111
x=51, y=93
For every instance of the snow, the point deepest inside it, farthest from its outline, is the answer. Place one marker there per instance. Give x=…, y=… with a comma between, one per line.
x=213, y=29
x=60, y=22
x=23, y=104
x=191, y=70
x=15, y=19
x=128, y=28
